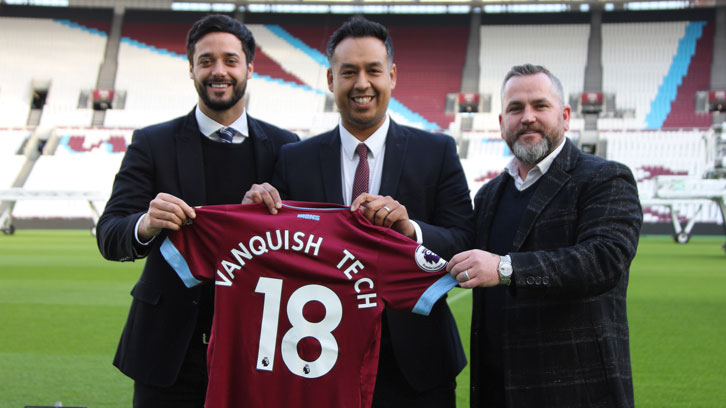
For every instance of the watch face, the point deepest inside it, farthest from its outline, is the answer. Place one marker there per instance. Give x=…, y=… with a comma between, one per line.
x=505, y=270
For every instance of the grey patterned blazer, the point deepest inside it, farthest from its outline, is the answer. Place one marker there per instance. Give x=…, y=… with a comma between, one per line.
x=565, y=337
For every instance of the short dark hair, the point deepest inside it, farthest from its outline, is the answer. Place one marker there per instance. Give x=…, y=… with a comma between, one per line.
x=216, y=23
x=530, y=69
x=358, y=27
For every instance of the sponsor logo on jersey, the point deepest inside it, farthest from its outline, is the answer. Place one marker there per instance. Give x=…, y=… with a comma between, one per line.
x=428, y=261
x=309, y=217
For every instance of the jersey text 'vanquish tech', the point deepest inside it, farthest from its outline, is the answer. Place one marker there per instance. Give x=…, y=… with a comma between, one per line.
x=298, y=299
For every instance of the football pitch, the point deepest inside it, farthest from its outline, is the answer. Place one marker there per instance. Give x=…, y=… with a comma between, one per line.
x=62, y=308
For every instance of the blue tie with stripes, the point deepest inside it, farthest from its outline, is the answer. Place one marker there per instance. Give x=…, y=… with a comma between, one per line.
x=226, y=134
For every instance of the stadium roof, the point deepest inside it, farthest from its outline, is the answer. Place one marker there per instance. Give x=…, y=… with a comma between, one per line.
x=378, y=6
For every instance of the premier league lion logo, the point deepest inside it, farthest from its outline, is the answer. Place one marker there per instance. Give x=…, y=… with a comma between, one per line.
x=428, y=261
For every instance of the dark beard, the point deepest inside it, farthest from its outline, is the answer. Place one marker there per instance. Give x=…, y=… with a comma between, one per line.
x=221, y=105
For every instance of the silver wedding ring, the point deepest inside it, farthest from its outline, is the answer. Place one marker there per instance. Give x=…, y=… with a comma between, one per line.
x=466, y=274
x=385, y=207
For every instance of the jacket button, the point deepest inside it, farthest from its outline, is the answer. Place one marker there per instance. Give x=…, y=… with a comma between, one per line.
x=530, y=280
x=538, y=280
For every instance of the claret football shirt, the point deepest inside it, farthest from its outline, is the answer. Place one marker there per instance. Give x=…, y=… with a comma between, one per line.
x=298, y=299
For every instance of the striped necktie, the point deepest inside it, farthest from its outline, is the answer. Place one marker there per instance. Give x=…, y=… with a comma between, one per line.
x=226, y=134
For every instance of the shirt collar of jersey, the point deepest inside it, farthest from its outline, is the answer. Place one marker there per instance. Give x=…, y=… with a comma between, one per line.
x=375, y=142
x=539, y=170
x=209, y=126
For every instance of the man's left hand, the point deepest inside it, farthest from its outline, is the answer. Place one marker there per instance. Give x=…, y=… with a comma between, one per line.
x=475, y=268
x=385, y=212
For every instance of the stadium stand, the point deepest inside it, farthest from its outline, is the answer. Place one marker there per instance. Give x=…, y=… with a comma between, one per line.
x=272, y=69
x=269, y=97
x=650, y=154
x=157, y=85
x=12, y=156
x=652, y=62
x=429, y=59
x=75, y=55
x=293, y=56
x=486, y=158
x=562, y=48
x=55, y=173
x=73, y=140
x=682, y=113
x=154, y=72
x=636, y=59
x=76, y=159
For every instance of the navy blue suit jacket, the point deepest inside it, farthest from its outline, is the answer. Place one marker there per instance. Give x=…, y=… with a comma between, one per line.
x=422, y=171
x=167, y=158
x=565, y=337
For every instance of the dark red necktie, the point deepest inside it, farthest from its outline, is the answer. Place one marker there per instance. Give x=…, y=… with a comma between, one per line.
x=360, y=182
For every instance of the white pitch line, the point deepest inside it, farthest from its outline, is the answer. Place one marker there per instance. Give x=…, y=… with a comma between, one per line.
x=456, y=297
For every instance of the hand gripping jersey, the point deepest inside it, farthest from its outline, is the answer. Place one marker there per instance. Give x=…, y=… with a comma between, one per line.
x=298, y=300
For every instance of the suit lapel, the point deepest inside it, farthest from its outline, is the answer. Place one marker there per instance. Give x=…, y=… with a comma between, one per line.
x=263, y=149
x=396, y=141
x=488, y=209
x=329, y=157
x=190, y=162
x=550, y=184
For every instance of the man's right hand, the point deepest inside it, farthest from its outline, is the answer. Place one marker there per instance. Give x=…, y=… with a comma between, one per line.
x=165, y=211
x=264, y=193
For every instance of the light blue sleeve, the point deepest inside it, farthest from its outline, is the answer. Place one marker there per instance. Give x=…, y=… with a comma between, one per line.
x=178, y=263
x=433, y=294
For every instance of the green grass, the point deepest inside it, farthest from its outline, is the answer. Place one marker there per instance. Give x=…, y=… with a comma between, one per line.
x=677, y=313
x=62, y=308
x=460, y=304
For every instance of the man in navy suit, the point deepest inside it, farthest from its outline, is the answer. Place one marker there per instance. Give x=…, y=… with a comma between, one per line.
x=210, y=156
x=556, y=233
x=415, y=185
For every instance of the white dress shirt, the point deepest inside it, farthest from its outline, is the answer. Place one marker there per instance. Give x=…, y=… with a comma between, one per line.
x=209, y=126
x=349, y=159
x=376, y=144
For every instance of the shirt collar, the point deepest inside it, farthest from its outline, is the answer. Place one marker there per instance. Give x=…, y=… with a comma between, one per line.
x=375, y=142
x=209, y=126
x=539, y=169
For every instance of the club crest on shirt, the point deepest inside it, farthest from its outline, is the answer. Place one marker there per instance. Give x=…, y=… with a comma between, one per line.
x=428, y=261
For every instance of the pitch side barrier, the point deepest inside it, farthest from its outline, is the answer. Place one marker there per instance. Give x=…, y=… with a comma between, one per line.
x=13, y=195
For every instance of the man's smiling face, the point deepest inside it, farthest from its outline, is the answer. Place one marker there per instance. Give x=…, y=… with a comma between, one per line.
x=361, y=77
x=220, y=71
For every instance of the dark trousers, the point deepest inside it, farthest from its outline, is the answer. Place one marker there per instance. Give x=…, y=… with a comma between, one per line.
x=188, y=391
x=393, y=391
x=491, y=391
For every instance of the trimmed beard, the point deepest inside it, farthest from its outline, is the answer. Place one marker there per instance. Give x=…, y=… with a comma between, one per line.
x=532, y=154
x=221, y=105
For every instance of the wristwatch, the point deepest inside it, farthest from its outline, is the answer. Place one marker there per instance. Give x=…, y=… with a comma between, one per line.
x=505, y=270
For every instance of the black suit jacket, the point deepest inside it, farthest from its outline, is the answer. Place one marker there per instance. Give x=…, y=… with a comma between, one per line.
x=565, y=336
x=167, y=158
x=422, y=171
